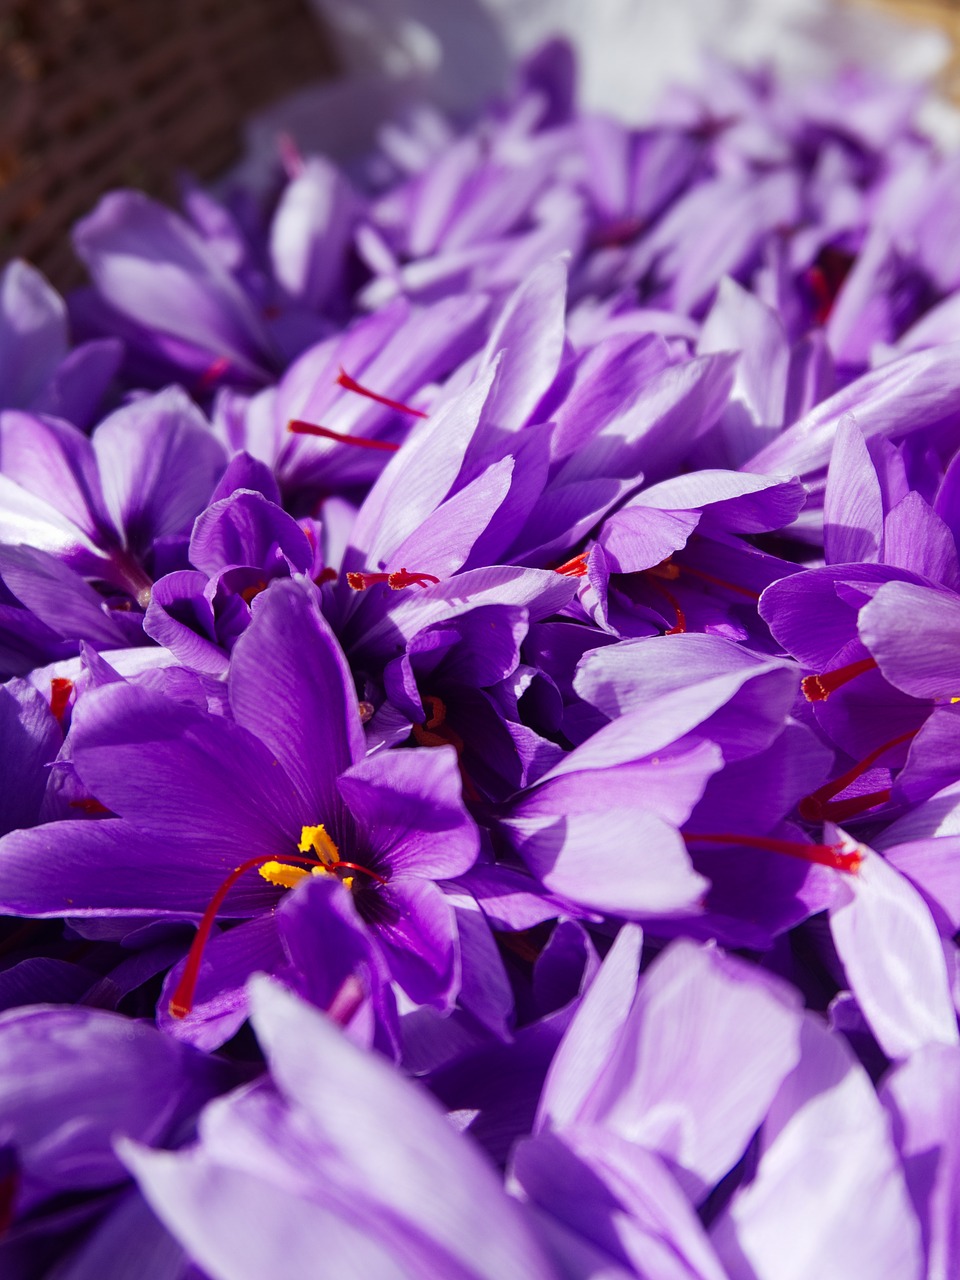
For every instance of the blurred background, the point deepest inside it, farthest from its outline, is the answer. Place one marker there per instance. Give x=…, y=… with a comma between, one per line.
x=98, y=94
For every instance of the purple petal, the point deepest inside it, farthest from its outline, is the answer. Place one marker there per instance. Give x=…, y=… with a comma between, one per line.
x=159, y=463
x=33, y=334
x=530, y=332
x=591, y=1039
x=175, y=771
x=409, y=809
x=624, y=861
x=152, y=267
x=922, y=1096
x=909, y=394
x=291, y=686
x=891, y=952
x=829, y=1195
x=454, y=1197
x=889, y=626
x=853, y=504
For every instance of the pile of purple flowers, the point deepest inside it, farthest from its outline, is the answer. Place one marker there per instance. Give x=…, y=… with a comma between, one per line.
x=481, y=731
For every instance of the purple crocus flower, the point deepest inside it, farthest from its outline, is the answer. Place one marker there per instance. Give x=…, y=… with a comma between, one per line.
x=74, y=1081
x=282, y=787
x=38, y=371
x=334, y=1156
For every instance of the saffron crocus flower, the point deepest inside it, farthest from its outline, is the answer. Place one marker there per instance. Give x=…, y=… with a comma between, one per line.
x=238, y=545
x=615, y=1092
x=189, y=315
x=397, y=353
x=74, y=1081
x=101, y=504
x=281, y=788
x=38, y=371
x=334, y=1155
x=876, y=916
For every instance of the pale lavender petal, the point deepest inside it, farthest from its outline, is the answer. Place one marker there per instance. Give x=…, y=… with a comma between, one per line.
x=889, y=626
x=33, y=334
x=592, y=1036
x=375, y=1119
x=623, y=861
x=530, y=332
x=153, y=267
x=706, y=1046
x=409, y=807
x=893, y=959
x=853, y=505
x=829, y=1196
x=242, y=1226
x=159, y=463
x=916, y=538
x=922, y=1096
x=909, y=394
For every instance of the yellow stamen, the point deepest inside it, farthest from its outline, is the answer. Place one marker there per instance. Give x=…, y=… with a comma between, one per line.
x=282, y=874
x=316, y=838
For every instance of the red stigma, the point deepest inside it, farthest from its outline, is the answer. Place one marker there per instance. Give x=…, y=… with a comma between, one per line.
x=680, y=625
x=435, y=732
x=350, y=384
x=575, y=568
x=719, y=582
x=827, y=855
x=820, y=806
x=9, y=1188
x=826, y=278
x=395, y=581
x=670, y=570
x=300, y=428
x=819, y=688
x=181, y=1002
x=249, y=594
x=617, y=233
x=60, y=691
x=325, y=575
x=89, y=805
x=213, y=373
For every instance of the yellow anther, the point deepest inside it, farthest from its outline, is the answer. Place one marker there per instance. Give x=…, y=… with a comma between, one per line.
x=316, y=839
x=282, y=874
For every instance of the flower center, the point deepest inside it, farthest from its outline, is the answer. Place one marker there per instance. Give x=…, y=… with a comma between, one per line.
x=326, y=860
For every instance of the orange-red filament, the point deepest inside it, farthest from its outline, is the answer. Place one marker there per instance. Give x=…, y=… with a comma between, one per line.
x=300, y=428
x=351, y=384
x=719, y=582
x=827, y=855
x=819, y=688
x=820, y=806
x=396, y=581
